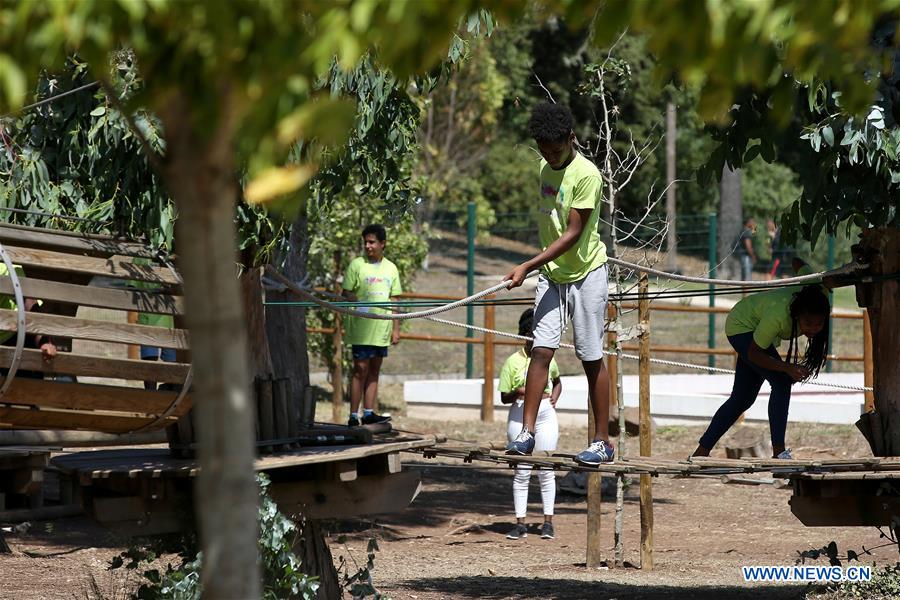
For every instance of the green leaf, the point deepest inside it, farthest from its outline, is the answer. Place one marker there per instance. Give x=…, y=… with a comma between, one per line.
x=99, y=111
x=828, y=135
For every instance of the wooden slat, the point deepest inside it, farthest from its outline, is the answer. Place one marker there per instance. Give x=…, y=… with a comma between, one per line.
x=101, y=331
x=67, y=363
x=72, y=242
x=83, y=396
x=83, y=295
x=108, y=422
x=116, y=267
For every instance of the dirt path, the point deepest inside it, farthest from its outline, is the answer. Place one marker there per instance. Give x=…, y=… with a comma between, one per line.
x=450, y=544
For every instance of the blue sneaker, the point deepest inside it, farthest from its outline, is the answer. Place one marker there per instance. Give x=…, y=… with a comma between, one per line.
x=598, y=452
x=523, y=445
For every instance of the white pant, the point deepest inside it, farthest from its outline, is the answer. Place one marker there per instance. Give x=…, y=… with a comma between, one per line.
x=546, y=435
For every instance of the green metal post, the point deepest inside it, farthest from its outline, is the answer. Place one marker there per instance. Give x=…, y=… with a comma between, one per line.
x=829, y=265
x=470, y=286
x=713, y=260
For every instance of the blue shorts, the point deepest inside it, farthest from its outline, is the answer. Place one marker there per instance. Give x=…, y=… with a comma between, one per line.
x=157, y=353
x=367, y=352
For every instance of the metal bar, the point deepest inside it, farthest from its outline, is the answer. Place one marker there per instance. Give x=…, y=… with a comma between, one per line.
x=713, y=261
x=470, y=282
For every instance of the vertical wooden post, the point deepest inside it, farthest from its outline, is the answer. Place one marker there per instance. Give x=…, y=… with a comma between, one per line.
x=868, y=365
x=614, y=409
x=644, y=411
x=134, y=350
x=487, y=390
x=594, y=550
x=337, y=359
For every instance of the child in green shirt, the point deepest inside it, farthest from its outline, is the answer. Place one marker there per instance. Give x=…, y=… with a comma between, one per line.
x=755, y=327
x=546, y=434
x=573, y=279
x=372, y=278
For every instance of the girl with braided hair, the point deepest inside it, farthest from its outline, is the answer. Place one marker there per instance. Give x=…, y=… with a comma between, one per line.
x=546, y=434
x=755, y=327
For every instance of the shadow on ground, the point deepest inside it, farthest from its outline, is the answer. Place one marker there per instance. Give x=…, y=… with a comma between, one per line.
x=445, y=491
x=496, y=588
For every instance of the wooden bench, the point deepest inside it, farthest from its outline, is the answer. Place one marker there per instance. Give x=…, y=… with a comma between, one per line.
x=69, y=271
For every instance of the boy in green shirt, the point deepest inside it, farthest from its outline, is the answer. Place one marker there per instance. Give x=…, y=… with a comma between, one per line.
x=573, y=279
x=372, y=278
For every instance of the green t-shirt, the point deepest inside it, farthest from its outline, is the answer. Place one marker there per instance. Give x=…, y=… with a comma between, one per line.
x=8, y=302
x=766, y=314
x=371, y=282
x=579, y=185
x=512, y=375
x=153, y=319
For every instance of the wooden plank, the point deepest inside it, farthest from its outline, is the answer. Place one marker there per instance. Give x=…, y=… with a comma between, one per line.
x=646, y=491
x=374, y=494
x=95, y=245
x=109, y=422
x=280, y=408
x=86, y=295
x=266, y=409
x=100, y=331
x=850, y=475
x=83, y=396
x=115, y=267
x=68, y=363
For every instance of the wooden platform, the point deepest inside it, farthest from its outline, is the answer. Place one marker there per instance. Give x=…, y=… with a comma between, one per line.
x=146, y=491
x=861, y=491
x=874, y=467
x=22, y=477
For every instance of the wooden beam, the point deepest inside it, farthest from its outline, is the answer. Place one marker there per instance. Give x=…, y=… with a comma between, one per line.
x=101, y=331
x=370, y=495
x=487, y=390
x=115, y=267
x=68, y=363
x=84, y=396
x=94, y=245
x=29, y=418
x=868, y=364
x=84, y=295
x=646, y=501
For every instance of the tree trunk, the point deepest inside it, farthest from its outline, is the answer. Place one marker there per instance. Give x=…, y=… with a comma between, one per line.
x=730, y=222
x=286, y=325
x=881, y=249
x=254, y=309
x=200, y=175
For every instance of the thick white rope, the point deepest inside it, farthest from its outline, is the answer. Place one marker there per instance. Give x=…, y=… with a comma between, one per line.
x=846, y=269
x=775, y=283
x=658, y=361
x=422, y=314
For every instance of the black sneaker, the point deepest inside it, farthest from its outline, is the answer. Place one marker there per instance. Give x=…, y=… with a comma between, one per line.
x=547, y=532
x=353, y=422
x=518, y=531
x=371, y=419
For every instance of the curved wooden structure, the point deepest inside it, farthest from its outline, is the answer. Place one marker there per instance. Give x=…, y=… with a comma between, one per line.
x=68, y=272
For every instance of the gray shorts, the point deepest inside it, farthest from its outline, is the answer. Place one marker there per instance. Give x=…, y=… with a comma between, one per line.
x=583, y=301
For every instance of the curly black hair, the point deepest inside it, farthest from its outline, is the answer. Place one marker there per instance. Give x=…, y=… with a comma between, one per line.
x=810, y=300
x=550, y=123
x=526, y=322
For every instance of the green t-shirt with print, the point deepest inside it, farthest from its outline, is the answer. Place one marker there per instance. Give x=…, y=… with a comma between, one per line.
x=514, y=370
x=578, y=185
x=766, y=314
x=371, y=282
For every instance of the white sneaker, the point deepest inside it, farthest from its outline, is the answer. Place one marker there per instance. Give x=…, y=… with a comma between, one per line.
x=785, y=455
